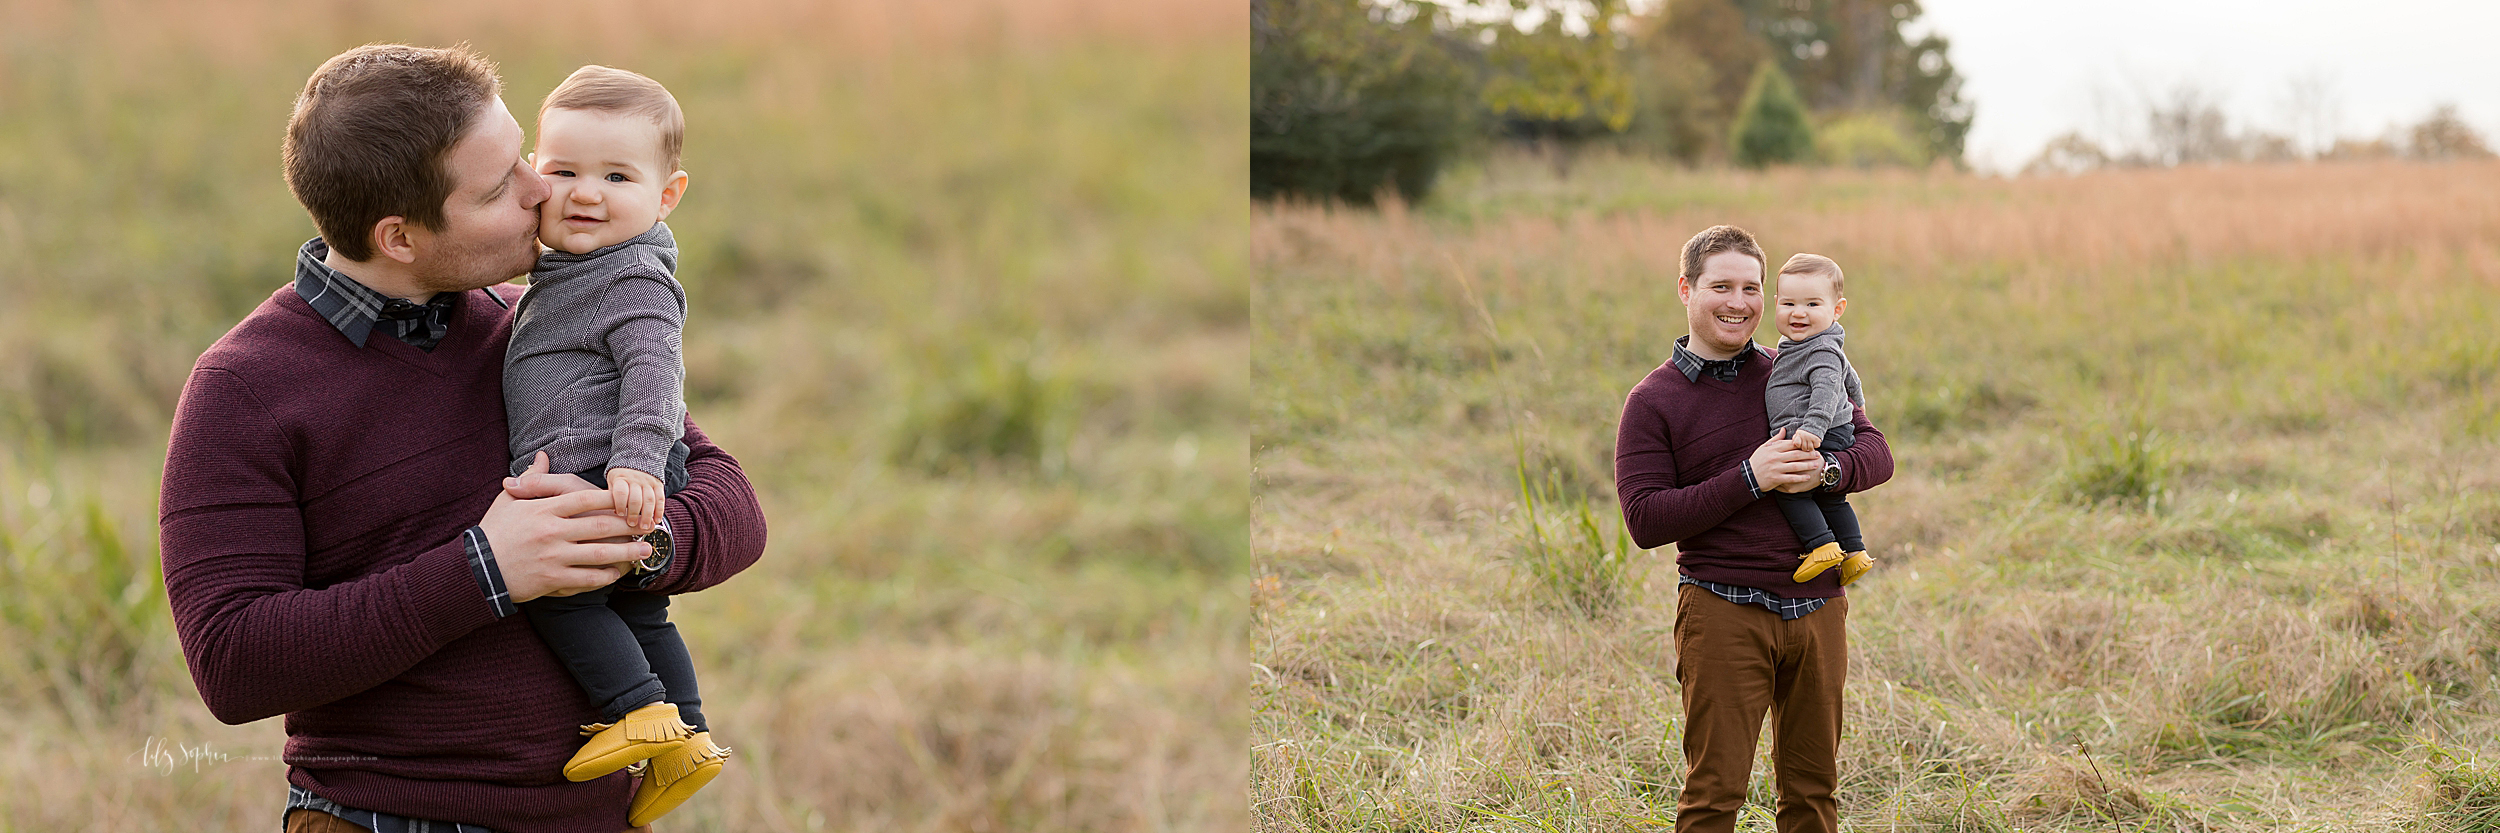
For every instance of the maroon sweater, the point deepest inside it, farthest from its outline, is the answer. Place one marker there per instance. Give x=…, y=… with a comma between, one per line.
x=314, y=499
x=1677, y=454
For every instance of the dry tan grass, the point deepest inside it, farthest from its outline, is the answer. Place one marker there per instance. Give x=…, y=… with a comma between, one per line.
x=2263, y=639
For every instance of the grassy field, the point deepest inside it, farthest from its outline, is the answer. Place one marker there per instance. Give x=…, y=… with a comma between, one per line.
x=968, y=288
x=2196, y=524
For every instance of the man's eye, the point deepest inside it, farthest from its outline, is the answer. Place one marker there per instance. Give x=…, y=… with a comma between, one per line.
x=616, y=177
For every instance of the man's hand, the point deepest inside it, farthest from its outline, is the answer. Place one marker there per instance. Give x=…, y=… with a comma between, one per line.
x=1779, y=465
x=637, y=498
x=552, y=538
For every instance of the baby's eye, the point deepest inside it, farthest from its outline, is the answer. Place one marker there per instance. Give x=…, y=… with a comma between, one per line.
x=616, y=177
x=559, y=173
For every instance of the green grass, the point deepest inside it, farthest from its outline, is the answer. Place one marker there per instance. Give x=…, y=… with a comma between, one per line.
x=2205, y=489
x=967, y=302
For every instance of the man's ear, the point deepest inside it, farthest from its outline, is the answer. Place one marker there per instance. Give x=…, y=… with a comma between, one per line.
x=393, y=237
x=1684, y=290
x=672, y=192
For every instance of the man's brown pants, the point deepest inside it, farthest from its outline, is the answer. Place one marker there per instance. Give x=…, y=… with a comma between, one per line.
x=1736, y=662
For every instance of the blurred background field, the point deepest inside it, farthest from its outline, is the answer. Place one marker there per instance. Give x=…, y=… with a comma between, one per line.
x=968, y=301
x=2196, y=524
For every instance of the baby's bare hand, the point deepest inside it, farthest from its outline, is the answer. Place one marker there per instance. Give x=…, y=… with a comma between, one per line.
x=637, y=498
x=1809, y=441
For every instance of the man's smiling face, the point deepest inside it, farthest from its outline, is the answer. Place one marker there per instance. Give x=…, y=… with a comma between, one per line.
x=1723, y=304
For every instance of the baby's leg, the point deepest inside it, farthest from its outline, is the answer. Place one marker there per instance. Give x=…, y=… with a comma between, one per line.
x=1804, y=518
x=598, y=648
x=646, y=614
x=1841, y=519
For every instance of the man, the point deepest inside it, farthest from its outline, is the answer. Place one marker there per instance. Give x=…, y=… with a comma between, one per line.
x=340, y=543
x=1692, y=468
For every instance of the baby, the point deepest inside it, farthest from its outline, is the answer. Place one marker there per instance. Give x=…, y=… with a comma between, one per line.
x=593, y=380
x=1810, y=393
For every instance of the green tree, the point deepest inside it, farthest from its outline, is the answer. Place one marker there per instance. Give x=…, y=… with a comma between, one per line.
x=1690, y=69
x=1852, y=55
x=1346, y=101
x=1551, y=75
x=1771, y=126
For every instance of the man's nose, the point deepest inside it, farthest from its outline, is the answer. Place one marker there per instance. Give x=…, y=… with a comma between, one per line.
x=535, y=190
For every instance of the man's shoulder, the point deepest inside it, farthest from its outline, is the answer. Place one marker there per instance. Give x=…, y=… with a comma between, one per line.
x=1655, y=384
x=275, y=334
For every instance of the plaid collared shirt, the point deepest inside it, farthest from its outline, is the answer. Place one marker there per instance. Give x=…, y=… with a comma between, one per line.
x=356, y=310
x=298, y=798
x=1692, y=365
x=1786, y=608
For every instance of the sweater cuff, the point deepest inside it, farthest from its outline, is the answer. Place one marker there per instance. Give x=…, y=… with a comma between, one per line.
x=489, y=577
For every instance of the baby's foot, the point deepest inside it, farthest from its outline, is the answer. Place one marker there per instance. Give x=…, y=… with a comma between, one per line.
x=1854, y=566
x=1822, y=558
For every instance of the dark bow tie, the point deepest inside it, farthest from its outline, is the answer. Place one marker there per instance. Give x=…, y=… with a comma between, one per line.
x=434, y=316
x=1724, y=371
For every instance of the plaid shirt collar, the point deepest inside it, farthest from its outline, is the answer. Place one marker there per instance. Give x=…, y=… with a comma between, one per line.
x=1692, y=365
x=356, y=310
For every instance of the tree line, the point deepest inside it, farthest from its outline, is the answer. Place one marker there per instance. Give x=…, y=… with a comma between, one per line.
x=1350, y=98
x=2185, y=125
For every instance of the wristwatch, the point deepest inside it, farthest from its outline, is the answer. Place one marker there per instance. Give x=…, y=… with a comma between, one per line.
x=1831, y=471
x=663, y=551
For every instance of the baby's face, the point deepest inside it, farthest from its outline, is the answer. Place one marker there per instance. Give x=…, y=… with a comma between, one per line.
x=606, y=173
x=1805, y=305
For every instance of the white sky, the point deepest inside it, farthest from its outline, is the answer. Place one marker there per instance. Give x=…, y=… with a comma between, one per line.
x=2037, y=69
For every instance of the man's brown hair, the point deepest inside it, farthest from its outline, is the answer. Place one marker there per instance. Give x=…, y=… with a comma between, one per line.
x=372, y=134
x=1714, y=240
x=1806, y=264
x=609, y=90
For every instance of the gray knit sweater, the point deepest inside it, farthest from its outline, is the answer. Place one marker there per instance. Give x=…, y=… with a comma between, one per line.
x=593, y=375
x=1812, y=387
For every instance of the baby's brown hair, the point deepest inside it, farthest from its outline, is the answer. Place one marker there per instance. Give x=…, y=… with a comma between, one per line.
x=609, y=90
x=1806, y=264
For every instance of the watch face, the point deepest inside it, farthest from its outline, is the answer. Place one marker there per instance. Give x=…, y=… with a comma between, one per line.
x=662, y=546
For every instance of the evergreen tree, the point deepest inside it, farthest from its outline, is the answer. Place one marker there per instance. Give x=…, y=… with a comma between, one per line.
x=1771, y=126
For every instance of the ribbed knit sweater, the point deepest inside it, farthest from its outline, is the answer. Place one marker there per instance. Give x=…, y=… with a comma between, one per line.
x=315, y=496
x=1677, y=456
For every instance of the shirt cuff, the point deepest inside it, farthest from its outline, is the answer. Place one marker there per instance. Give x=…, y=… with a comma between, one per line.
x=1746, y=469
x=489, y=578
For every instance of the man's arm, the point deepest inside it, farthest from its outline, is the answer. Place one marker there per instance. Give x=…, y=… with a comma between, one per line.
x=258, y=642
x=1657, y=512
x=716, y=521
